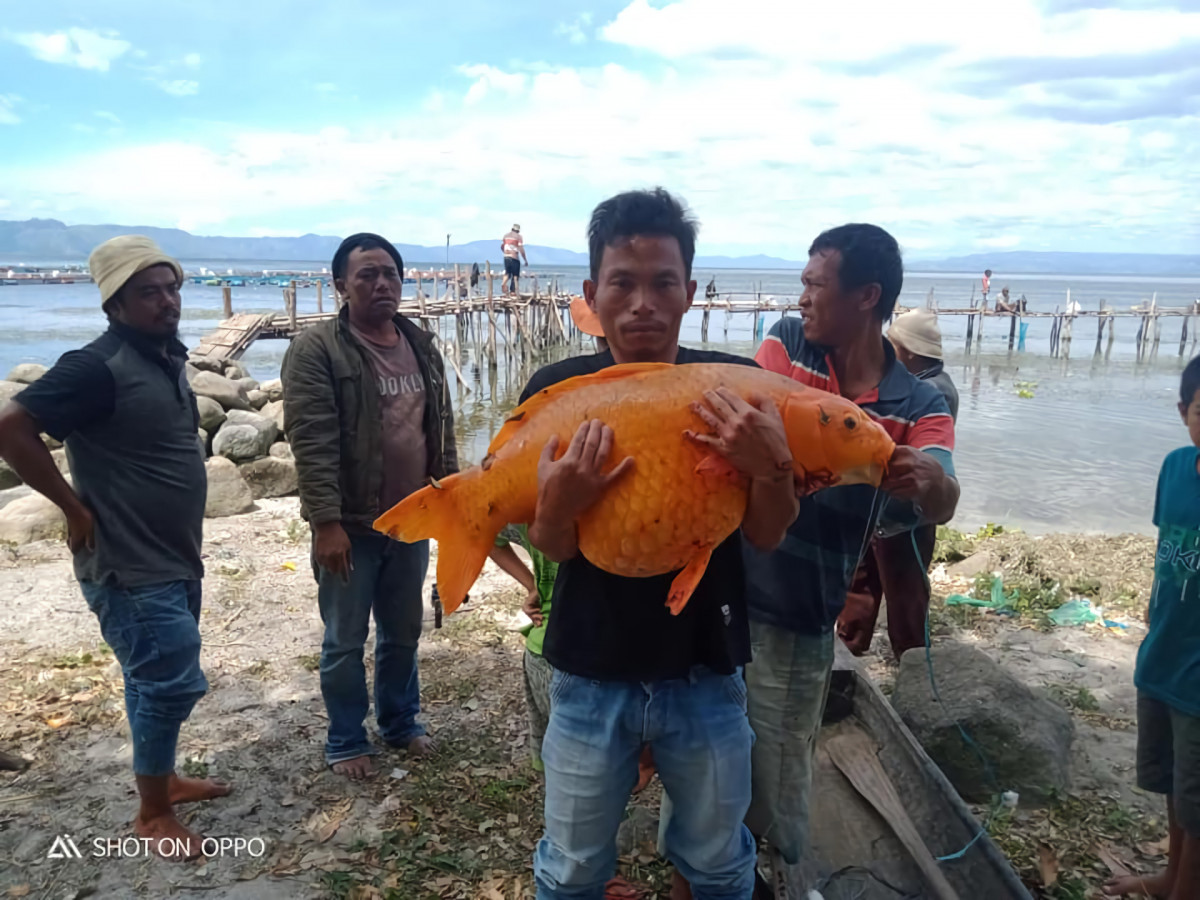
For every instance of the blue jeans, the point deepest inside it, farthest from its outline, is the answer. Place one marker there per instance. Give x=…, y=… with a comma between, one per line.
x=387, y=579
x=701, y=740
x=154, y=631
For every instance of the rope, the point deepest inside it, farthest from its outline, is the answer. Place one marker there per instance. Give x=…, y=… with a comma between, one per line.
x=989, y=772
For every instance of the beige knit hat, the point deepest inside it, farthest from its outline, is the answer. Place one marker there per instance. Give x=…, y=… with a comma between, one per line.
x=117, y=260
x=917, y=332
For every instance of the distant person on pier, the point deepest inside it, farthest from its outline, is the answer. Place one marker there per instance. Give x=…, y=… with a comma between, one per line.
x=890, y=568
x=135, y=513
x=1004, y=304
x=369, y=420
x=987, y=286
x=796, y=593
x=513, y=247
x=710, y=292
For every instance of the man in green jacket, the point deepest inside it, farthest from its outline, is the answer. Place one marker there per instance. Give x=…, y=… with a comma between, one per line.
x=369, y=420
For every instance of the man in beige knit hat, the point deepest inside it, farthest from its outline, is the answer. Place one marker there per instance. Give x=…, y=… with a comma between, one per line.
x=890, y=568
x=134, y=508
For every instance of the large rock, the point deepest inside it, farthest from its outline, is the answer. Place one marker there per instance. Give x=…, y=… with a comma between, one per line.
x=282, y=450
x=270, y=477
x=8, y=478
x=228, y=393
x=274, y=389
x=1025, y=737
x=27, y=373
x=31, y=518
x=208, y=364
x=244, y=436
x=274, y=412
x=246, y=384
x=234, y=370
x=212, y=415
x=258, y=399
x=228, y=493
x=13, y=494
x=204, y=441
x=9, y=389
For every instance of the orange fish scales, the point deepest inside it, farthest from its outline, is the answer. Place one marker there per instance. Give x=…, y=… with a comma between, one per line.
x=678, y=502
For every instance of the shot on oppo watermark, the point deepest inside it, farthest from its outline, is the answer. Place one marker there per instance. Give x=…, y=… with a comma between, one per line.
x=66, y=847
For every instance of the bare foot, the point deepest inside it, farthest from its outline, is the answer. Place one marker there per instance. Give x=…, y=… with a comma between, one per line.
x=355, y=769
x=168, y=837
x=194, y=790
x=1139, y=886
x=421, y=747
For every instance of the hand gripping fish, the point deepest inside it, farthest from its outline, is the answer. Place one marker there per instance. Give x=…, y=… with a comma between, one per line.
x=678, y=502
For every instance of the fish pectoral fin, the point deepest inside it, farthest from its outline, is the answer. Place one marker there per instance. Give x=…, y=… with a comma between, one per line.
x=716, y=465
x=523, y=413
x=685, y=582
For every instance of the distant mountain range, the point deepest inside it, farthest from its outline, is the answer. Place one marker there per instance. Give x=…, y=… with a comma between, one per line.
x=52, y=241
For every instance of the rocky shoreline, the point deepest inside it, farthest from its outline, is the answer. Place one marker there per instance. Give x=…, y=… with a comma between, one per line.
x=242, y=430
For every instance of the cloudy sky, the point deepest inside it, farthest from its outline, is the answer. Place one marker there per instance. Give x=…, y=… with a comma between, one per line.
x=1015, y=124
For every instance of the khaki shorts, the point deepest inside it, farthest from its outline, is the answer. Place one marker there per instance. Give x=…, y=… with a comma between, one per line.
x=1168, y=758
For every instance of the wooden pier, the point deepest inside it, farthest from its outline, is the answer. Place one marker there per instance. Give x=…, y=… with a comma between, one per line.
x=534, y=319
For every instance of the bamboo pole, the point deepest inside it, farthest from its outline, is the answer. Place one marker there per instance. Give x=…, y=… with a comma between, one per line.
x=320, y=296
x=491, y=319
x=227, y=301
x=704, y=325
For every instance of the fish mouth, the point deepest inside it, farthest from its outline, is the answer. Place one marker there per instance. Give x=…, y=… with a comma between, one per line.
x=871, y=473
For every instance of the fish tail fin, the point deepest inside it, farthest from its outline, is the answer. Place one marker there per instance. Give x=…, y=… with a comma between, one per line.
x=456, y=513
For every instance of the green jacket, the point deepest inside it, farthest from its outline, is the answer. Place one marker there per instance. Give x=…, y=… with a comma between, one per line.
x=331, y=407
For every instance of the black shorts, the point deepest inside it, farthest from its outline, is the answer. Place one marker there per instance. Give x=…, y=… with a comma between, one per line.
x=512, y=267
x=1168, y=758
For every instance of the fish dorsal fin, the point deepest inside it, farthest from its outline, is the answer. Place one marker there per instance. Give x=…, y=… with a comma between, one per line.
x=539, y=400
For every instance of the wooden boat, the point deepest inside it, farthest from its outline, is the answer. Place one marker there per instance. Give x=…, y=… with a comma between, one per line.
x=856, y=854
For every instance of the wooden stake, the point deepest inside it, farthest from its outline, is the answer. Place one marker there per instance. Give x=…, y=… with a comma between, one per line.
x=320, y=299
x=227, y=300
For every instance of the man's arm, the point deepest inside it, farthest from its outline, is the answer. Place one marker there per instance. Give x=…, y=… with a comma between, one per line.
x=78, y=392
x=314, y=429
x=314, y=432
x=920, y=481
x=22, y=448
x=521, y=245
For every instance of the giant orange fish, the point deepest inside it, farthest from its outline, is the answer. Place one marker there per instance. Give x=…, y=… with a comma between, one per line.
x=678, y=502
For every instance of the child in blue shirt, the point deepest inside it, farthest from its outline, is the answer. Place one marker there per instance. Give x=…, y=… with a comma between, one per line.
x=1168, y=665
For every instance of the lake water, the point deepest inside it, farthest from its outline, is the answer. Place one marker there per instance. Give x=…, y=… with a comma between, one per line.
x=1081, y=454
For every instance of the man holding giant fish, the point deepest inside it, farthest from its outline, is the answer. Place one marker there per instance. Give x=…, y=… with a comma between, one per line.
x=644, y=495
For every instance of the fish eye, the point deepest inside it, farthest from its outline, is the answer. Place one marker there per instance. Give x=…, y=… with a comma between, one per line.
x=850, y=423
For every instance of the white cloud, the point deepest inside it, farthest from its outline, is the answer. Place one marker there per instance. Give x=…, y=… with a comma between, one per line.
x=770, y=137
x=193, y=60
x=80, y=47
x=179, y=87
x=325, y=87
x=576, y=31
x=8, y=106
x=107, y=116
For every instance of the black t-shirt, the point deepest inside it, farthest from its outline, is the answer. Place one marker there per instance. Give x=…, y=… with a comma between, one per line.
x=613, y=628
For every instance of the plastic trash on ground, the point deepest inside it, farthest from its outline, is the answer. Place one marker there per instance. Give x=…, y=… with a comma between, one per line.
x=996, y=601
x=1076, y=611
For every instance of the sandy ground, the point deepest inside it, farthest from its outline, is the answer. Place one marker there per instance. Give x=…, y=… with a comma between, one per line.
x=460, y=825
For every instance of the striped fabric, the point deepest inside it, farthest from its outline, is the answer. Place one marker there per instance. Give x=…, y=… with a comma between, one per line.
x=802, y=585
